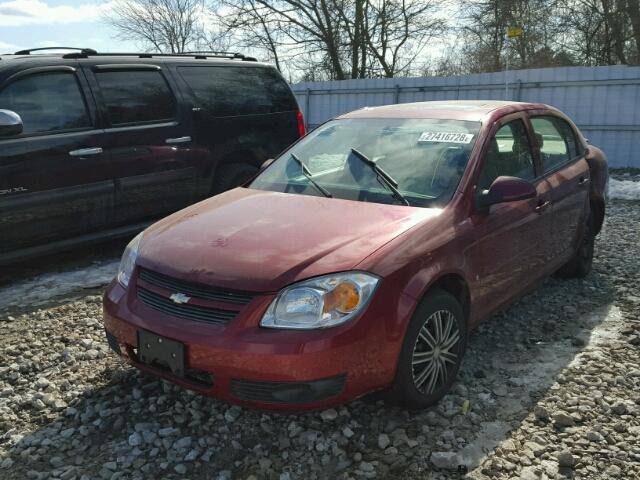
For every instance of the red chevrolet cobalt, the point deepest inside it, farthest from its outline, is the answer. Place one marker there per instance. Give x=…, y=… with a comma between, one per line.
x=360, y=259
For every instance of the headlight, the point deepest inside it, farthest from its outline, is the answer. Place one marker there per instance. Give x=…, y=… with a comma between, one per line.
x=128, y=262
x=321, y=302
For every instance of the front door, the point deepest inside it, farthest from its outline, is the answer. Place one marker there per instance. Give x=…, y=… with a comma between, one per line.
x=55, y=181
x=511, y=237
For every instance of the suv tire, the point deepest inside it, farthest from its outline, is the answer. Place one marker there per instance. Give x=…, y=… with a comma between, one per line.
x=231, y=176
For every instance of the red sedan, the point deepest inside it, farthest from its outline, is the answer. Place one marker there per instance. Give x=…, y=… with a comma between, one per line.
x=362, y=257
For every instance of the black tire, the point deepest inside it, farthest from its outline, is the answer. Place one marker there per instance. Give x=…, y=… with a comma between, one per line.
x=580, y=264
x=231, y=176
x=405, y=389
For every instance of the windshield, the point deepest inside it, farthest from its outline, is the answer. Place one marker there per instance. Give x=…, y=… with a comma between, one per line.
x=423, y=158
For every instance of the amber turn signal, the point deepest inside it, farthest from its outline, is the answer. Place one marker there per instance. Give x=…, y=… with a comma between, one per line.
x=344, y=298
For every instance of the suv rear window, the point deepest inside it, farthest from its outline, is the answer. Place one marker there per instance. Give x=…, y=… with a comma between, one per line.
x=136, y=96
x=47, y=102
x=227, y=91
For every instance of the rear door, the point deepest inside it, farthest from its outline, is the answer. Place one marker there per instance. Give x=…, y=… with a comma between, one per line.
x=55, y=179
x=243, y=114
x=148, y=141
x=566, y=174
x=512, y=238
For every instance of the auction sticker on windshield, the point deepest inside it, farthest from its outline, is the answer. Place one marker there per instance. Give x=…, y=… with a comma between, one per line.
x=453, y=137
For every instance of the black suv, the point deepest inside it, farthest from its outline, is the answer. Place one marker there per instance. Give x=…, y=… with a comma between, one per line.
x=95, y=146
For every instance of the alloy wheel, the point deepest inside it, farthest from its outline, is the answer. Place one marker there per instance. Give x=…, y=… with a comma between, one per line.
x=435, y=353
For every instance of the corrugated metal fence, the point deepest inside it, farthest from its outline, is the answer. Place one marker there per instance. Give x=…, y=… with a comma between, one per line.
x=603, y=101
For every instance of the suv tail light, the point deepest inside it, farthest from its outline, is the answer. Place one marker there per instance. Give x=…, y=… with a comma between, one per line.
x=301, y=129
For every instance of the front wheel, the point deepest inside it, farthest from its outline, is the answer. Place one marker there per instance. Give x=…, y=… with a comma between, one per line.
x=431, y=352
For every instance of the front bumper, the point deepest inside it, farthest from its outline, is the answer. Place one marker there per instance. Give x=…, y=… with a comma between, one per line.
x=267, y=368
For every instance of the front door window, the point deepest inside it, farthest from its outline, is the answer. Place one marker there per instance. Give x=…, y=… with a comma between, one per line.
x=509, y=154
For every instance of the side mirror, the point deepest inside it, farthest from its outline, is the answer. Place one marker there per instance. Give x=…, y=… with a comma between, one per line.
x=506, y=189
x=266, y=163
x=10, y=123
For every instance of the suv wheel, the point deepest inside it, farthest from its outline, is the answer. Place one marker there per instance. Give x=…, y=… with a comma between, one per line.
x=431, y=353
x=231, y=176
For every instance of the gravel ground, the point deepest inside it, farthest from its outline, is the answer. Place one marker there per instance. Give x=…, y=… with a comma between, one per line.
x=549, y=389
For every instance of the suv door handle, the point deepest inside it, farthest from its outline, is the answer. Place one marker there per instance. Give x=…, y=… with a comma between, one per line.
x=85, y=152
x=542, y=206
x=583, y=181
x=173, y=141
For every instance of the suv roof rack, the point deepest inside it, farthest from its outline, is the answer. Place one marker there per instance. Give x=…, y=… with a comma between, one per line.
x=85, y=51
x=196, y=54
x=213, y=53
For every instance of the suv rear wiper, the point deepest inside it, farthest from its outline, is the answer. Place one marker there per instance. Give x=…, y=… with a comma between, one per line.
x=307, y=173
x=385, y=178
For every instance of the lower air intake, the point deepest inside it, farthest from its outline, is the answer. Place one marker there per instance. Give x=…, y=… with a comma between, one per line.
x=288, y=392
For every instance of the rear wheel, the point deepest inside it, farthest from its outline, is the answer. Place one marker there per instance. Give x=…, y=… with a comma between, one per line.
x=231, y=176
x=431, y=353
x=580, y=264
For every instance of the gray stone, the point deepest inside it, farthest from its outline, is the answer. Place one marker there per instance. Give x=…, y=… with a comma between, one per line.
x=566, y=459
x=444, y=460
x=594, y=436
x=367, y=467
x=329, y=415
x=347, y=432
x=383, y=441
x=183, y=442
x=562, y=419
x=135, y=439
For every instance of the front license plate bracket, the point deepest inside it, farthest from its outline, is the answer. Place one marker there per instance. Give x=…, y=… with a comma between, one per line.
x=155, y=350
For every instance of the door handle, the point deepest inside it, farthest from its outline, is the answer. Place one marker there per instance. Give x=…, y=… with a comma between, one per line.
x=542, y=206
x=85, y=152
x=174, y=141
x=583, y=181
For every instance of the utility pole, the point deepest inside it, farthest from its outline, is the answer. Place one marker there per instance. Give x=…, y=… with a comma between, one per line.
x=512, y=32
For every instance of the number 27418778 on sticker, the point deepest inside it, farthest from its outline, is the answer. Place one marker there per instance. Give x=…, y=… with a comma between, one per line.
x=447, y=137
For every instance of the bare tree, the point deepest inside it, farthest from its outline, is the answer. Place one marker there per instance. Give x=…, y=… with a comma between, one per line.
x=633, y=10
x=601, y=32
x=484, y=28
x=337, y=39
x=172, y=26
x=397, y=32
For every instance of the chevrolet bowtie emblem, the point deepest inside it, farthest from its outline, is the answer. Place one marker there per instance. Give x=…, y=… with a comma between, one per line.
x=179, y=298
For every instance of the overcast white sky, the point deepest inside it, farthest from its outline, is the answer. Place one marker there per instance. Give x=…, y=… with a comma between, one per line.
x=44, y=23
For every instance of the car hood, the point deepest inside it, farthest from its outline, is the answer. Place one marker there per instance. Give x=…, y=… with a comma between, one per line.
x=262, y=241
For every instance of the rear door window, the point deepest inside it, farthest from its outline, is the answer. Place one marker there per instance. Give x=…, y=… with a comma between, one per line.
x=227, y=91
x=136, y=96
x=556, y=140
x=47, y=102
x=509, y=154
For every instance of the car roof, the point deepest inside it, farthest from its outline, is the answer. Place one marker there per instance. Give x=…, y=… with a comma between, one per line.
x=470, y=110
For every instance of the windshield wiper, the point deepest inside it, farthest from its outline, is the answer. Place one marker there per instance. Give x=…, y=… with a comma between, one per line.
x=385, y=178
x=307, y=173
